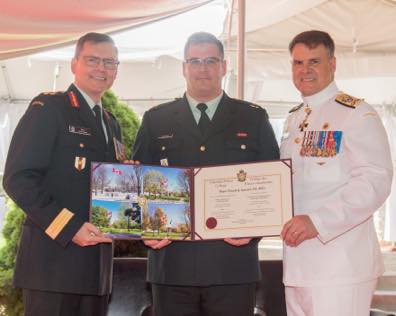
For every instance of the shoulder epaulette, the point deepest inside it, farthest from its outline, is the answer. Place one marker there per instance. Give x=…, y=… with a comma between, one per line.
x=296, y=108
x=37, y=103
x=162, y=105
x=254, y=106
x=347, y=100
x=248, y=103
x=43, y=97
x=53, y=92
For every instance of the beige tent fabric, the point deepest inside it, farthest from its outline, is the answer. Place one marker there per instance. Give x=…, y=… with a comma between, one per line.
x=31, y=26
x=364, y=32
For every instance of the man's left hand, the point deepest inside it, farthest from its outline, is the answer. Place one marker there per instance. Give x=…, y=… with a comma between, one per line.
x=237, y=241
x=297, y=230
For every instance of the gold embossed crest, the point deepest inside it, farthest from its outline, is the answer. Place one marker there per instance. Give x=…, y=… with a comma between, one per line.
x=241, y=175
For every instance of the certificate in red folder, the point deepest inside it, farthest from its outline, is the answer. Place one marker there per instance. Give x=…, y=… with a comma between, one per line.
x=217, y=202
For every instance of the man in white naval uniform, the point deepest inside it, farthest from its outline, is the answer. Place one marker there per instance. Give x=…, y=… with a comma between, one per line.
x=342, y=173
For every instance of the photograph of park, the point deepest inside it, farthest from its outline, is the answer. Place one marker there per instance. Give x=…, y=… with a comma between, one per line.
x=136, y=201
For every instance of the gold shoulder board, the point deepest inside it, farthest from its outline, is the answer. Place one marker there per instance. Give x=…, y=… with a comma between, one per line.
x=347, y=100
x=296, y=108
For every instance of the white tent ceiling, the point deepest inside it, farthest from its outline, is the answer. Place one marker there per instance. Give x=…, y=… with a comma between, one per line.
x=34, y=25
x=364, y=32
x=146, y=72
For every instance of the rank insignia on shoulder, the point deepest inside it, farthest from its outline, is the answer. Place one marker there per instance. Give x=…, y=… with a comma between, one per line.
x=73, y=100
x=254, y=106
x=52, y=92
x=347, y=100
x=37, y=103
x=296, y=108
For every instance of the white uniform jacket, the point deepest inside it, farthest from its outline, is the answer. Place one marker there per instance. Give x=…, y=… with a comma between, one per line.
x=342, y=173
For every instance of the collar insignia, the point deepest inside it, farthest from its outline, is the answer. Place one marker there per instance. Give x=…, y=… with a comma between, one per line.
x=73, y=100
x=296, y=108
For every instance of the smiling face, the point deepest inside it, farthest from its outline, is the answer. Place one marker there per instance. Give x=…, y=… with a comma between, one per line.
x=204, y=80
x=313, y=69
x=94, y=80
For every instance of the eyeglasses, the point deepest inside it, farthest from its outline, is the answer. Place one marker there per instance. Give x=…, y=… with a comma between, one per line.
x=208, y=61
x=108, y=63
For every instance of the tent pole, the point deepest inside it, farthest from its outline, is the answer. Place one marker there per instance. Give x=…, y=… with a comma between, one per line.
x=7, y=81
x=241, y=49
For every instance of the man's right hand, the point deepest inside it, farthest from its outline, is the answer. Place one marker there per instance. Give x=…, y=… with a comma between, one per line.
x=90, y=235
x=156, y=243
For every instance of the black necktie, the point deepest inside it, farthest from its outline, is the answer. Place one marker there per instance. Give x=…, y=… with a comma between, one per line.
x=204, y=121
x=98, y=117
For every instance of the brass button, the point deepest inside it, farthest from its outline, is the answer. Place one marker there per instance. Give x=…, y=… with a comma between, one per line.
x=243, y=146
x=297, y=140
x=163, y=148
x=202, y=148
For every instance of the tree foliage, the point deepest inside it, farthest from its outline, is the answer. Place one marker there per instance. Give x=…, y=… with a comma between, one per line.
x=127, y=119
x=153, y=181
x=11, y=298
x=159, y=219
x=99, y=216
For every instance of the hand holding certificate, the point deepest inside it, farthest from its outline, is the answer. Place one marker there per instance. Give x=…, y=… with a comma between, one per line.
x=230, y=201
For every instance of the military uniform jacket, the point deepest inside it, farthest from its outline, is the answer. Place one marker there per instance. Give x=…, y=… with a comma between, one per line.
x=342, y=173
x=241, y=132
x=47, y=174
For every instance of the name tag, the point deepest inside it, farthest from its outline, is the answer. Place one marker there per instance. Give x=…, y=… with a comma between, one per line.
x=80, y=130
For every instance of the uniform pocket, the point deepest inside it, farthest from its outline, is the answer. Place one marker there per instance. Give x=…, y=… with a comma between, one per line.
x=169, y=149
x=322, y=169
x=80, y=151
x=239, y=150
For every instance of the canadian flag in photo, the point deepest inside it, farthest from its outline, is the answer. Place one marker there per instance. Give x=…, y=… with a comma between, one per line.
x=117, y=171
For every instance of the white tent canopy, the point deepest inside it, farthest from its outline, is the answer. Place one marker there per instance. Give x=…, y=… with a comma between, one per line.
x=31, y=26
x=364, y=32
x=149, y=55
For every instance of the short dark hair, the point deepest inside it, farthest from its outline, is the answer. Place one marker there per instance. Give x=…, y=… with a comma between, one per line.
x=312, y=39
x=92, y=37
x=203, y=38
